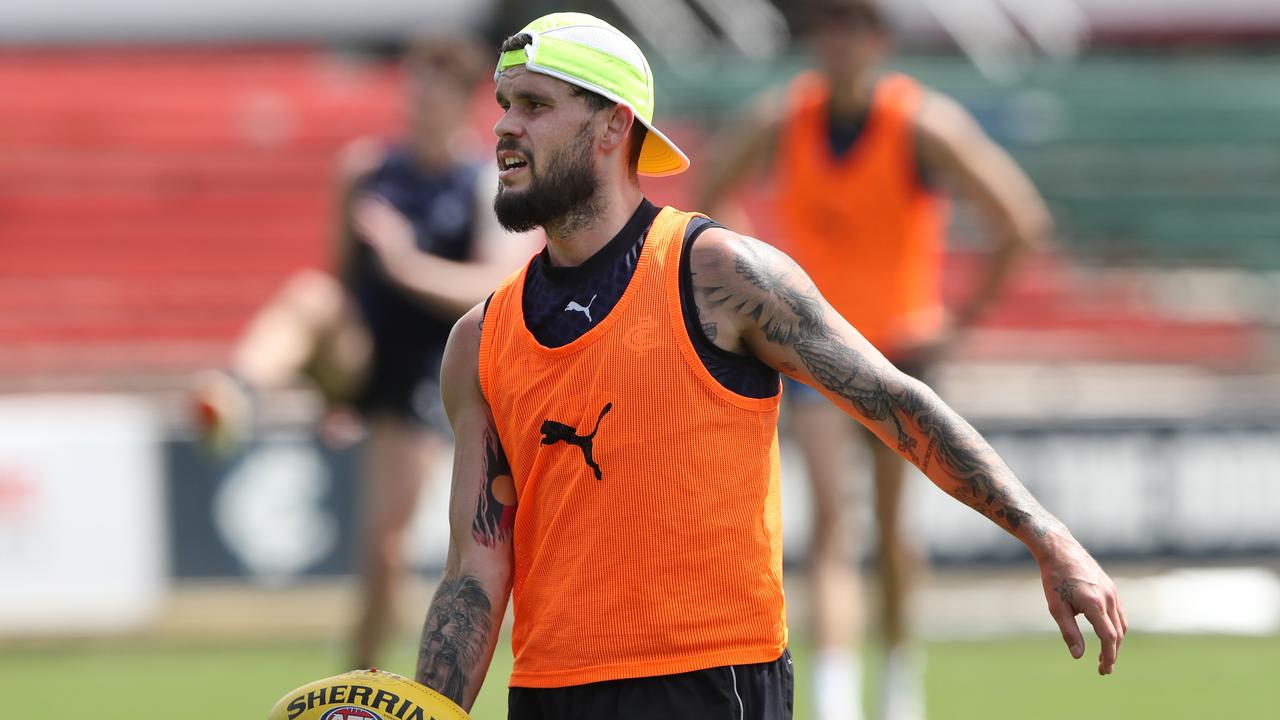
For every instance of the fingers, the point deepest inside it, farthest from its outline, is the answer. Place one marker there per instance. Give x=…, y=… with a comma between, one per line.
x=1113, y=612
x=1066, y=619
x=1097, y=616
x=1118, y=620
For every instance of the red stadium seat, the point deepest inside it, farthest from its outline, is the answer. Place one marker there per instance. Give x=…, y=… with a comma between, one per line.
x=151, y=199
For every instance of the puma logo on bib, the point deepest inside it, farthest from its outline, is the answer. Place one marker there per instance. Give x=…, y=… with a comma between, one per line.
x=584, y=309
x=554, y=432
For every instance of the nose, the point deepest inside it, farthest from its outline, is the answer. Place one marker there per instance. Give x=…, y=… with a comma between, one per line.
x=507, y=126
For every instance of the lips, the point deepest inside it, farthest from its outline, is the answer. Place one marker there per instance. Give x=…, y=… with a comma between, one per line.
x=510, y=164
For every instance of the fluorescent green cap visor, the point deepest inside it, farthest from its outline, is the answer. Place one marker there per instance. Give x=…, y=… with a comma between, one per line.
x=585, y=51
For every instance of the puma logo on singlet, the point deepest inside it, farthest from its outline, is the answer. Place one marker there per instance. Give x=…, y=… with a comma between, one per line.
x=554, y=432
x=585, y=310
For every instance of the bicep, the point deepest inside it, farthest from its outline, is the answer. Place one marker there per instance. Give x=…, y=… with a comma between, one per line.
x=482, y=493
x=809, y=341
x=782, y=319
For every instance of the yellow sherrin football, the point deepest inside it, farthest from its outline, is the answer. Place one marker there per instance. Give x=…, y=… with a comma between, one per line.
x=365, y=695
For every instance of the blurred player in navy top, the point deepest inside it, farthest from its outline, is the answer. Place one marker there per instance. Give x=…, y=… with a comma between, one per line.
x=418, y=245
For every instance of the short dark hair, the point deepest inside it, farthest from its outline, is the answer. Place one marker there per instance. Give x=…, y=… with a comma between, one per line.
x=845, y=13
x=595, y=103
x=516, y=42
x=457, y=55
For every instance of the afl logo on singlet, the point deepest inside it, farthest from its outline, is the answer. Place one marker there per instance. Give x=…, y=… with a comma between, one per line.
x=350, y=712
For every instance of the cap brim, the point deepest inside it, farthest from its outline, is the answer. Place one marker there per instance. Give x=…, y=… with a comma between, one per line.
x=659, y=156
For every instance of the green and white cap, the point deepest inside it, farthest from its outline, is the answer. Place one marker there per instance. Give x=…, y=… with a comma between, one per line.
x=588, y=52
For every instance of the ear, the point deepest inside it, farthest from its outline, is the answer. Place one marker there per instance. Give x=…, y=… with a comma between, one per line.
x=618, y=128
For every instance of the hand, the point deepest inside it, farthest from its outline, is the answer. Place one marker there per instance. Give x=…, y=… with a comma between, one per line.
x=341, y=427
x=380, y=225
x=1074, y=584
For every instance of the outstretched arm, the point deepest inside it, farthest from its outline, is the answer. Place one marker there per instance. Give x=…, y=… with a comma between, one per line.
x=762, y=303
x=462, y=623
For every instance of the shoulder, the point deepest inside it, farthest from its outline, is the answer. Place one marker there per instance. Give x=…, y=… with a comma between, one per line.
x=359, y=159
x=725, y=251
x=732, y=269
x=941, y=119
x=762, y=290
x=765, y=114
x=717, y=248
x=459, y=370
x=808, y=88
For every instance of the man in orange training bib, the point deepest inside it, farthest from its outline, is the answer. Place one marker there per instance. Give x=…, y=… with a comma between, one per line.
x=859, y=161
x=615, y=407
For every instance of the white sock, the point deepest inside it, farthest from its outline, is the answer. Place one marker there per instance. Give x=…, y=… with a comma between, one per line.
x=837, y=684
x=902, y=691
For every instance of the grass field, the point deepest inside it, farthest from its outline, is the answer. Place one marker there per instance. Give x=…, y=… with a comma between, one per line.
x=1165, y=677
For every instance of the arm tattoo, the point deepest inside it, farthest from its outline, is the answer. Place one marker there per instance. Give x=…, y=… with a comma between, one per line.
x=495, y=506
x=782, y=324
x=454, y=637
x=784, y=304
x=710, y=330
x=849, y=375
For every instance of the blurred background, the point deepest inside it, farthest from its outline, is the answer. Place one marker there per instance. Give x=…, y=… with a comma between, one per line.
x=164, y=166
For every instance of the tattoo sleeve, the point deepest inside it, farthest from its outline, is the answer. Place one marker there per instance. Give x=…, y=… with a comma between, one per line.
x=495, y=505
x=773, y=295
x=455, y=637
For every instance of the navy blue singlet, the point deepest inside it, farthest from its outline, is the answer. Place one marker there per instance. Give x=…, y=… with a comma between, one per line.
x=408, y=339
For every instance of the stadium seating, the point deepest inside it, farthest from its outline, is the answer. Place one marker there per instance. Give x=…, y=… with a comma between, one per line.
x=151, y=198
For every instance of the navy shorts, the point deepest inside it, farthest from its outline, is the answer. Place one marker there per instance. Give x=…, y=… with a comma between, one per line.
x=762, y=691
x=404, y=382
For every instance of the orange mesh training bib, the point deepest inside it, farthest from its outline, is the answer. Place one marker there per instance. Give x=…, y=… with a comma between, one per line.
x=861, y=225
x=648, y=530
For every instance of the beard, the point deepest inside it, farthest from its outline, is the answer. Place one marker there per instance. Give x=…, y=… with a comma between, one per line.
x=564, y=190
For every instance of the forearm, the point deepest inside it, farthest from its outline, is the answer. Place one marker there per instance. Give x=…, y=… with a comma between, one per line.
x=956, y=458
x=913, y=420
x=446, y=287
x=999, y=267
x=461, y=628
x=1017, y=222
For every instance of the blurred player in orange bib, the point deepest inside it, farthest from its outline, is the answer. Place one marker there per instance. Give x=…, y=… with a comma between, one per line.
x=860, y=161
x=615, y=406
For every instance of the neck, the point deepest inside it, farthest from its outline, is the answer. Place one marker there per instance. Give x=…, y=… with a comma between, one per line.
x=581, y=233
x=851, y=93
x=434, y=152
